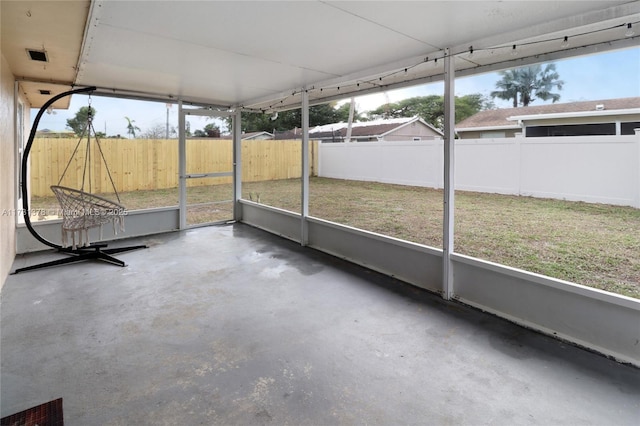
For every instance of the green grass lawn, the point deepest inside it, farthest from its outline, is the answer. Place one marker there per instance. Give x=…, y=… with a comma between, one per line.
x=592, y=244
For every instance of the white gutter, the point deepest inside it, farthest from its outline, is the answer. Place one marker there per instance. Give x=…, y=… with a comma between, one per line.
x=481, y=128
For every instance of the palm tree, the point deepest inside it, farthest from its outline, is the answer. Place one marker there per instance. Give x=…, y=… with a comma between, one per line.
x=536, y=81
x=131, y=128
x=529, y=83
x=508, y=87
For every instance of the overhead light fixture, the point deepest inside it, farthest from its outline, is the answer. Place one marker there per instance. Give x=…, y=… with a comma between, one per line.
x=38, y=55
x=565, y=42
x=514, y=51
x=629, y=32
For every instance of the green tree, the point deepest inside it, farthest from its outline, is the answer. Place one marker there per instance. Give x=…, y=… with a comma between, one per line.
x=343, y=114
x=287, y=120
x=468, y=105
x=79, y=122
x=158, y=131
x=131, y=128
x=212, y=130
x=529, y=84
x=431, y=108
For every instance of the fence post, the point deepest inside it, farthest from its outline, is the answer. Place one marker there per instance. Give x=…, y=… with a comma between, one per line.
x=519, y=140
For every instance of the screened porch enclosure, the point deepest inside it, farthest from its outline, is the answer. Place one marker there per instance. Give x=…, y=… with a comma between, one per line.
x=531, y=31
x=282, y=316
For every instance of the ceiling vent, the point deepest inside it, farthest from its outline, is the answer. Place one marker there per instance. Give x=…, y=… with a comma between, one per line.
x=38, y=55
x=45, y=92
x=600, y=107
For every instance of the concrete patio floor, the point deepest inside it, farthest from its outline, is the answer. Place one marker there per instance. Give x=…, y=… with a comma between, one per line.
x=232, y=325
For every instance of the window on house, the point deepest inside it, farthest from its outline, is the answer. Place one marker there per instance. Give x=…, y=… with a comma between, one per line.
x=572, y=130
x=628, y=128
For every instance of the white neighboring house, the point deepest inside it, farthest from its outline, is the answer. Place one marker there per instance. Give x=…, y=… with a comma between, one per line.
x=46, y=133
x=256, y=136
x=602, y=117
x=394, y=129
x=247, y=136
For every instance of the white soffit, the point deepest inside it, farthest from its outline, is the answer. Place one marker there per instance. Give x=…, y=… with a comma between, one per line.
x=55, y=28
x=260, y=54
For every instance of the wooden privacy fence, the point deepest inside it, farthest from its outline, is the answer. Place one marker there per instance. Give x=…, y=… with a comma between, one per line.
x=147, y=164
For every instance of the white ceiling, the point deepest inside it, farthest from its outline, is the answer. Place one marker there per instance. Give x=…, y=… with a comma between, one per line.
x=57, y=28
x=260, y=54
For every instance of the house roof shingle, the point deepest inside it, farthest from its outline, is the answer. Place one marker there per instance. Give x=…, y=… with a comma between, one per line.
x=360, y=129
x=373, y=128
x=498, y=117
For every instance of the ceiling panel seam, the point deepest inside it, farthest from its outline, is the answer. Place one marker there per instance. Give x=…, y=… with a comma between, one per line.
x=380, y=25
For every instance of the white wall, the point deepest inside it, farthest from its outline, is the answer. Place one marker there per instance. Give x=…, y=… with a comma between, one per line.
x=602, y=169
x=8, y=170
x=599, y=169
x=409, y=163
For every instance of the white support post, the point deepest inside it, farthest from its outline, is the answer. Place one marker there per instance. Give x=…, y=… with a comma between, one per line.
x=637, y=200
x=182, y=166
x=304, y=213
x=352, y=107
x=237, y=164
x=449, y=161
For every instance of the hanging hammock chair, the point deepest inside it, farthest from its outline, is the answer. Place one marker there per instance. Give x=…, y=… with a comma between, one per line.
x=81, y=210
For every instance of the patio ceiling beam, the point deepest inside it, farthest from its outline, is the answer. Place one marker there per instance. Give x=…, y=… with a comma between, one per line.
x=365, y=74
x=550, y=56
x=466, y=72
x=155, y=97
x=600, y=20
x=569, y=26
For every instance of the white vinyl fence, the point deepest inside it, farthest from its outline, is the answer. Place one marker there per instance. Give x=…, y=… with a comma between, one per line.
x=595, y=169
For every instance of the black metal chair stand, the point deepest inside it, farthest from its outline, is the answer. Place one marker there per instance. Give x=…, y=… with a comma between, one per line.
x=80, y=254
x=74, y=200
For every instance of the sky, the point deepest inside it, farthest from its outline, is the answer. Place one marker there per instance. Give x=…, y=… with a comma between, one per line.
x=607, y=75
